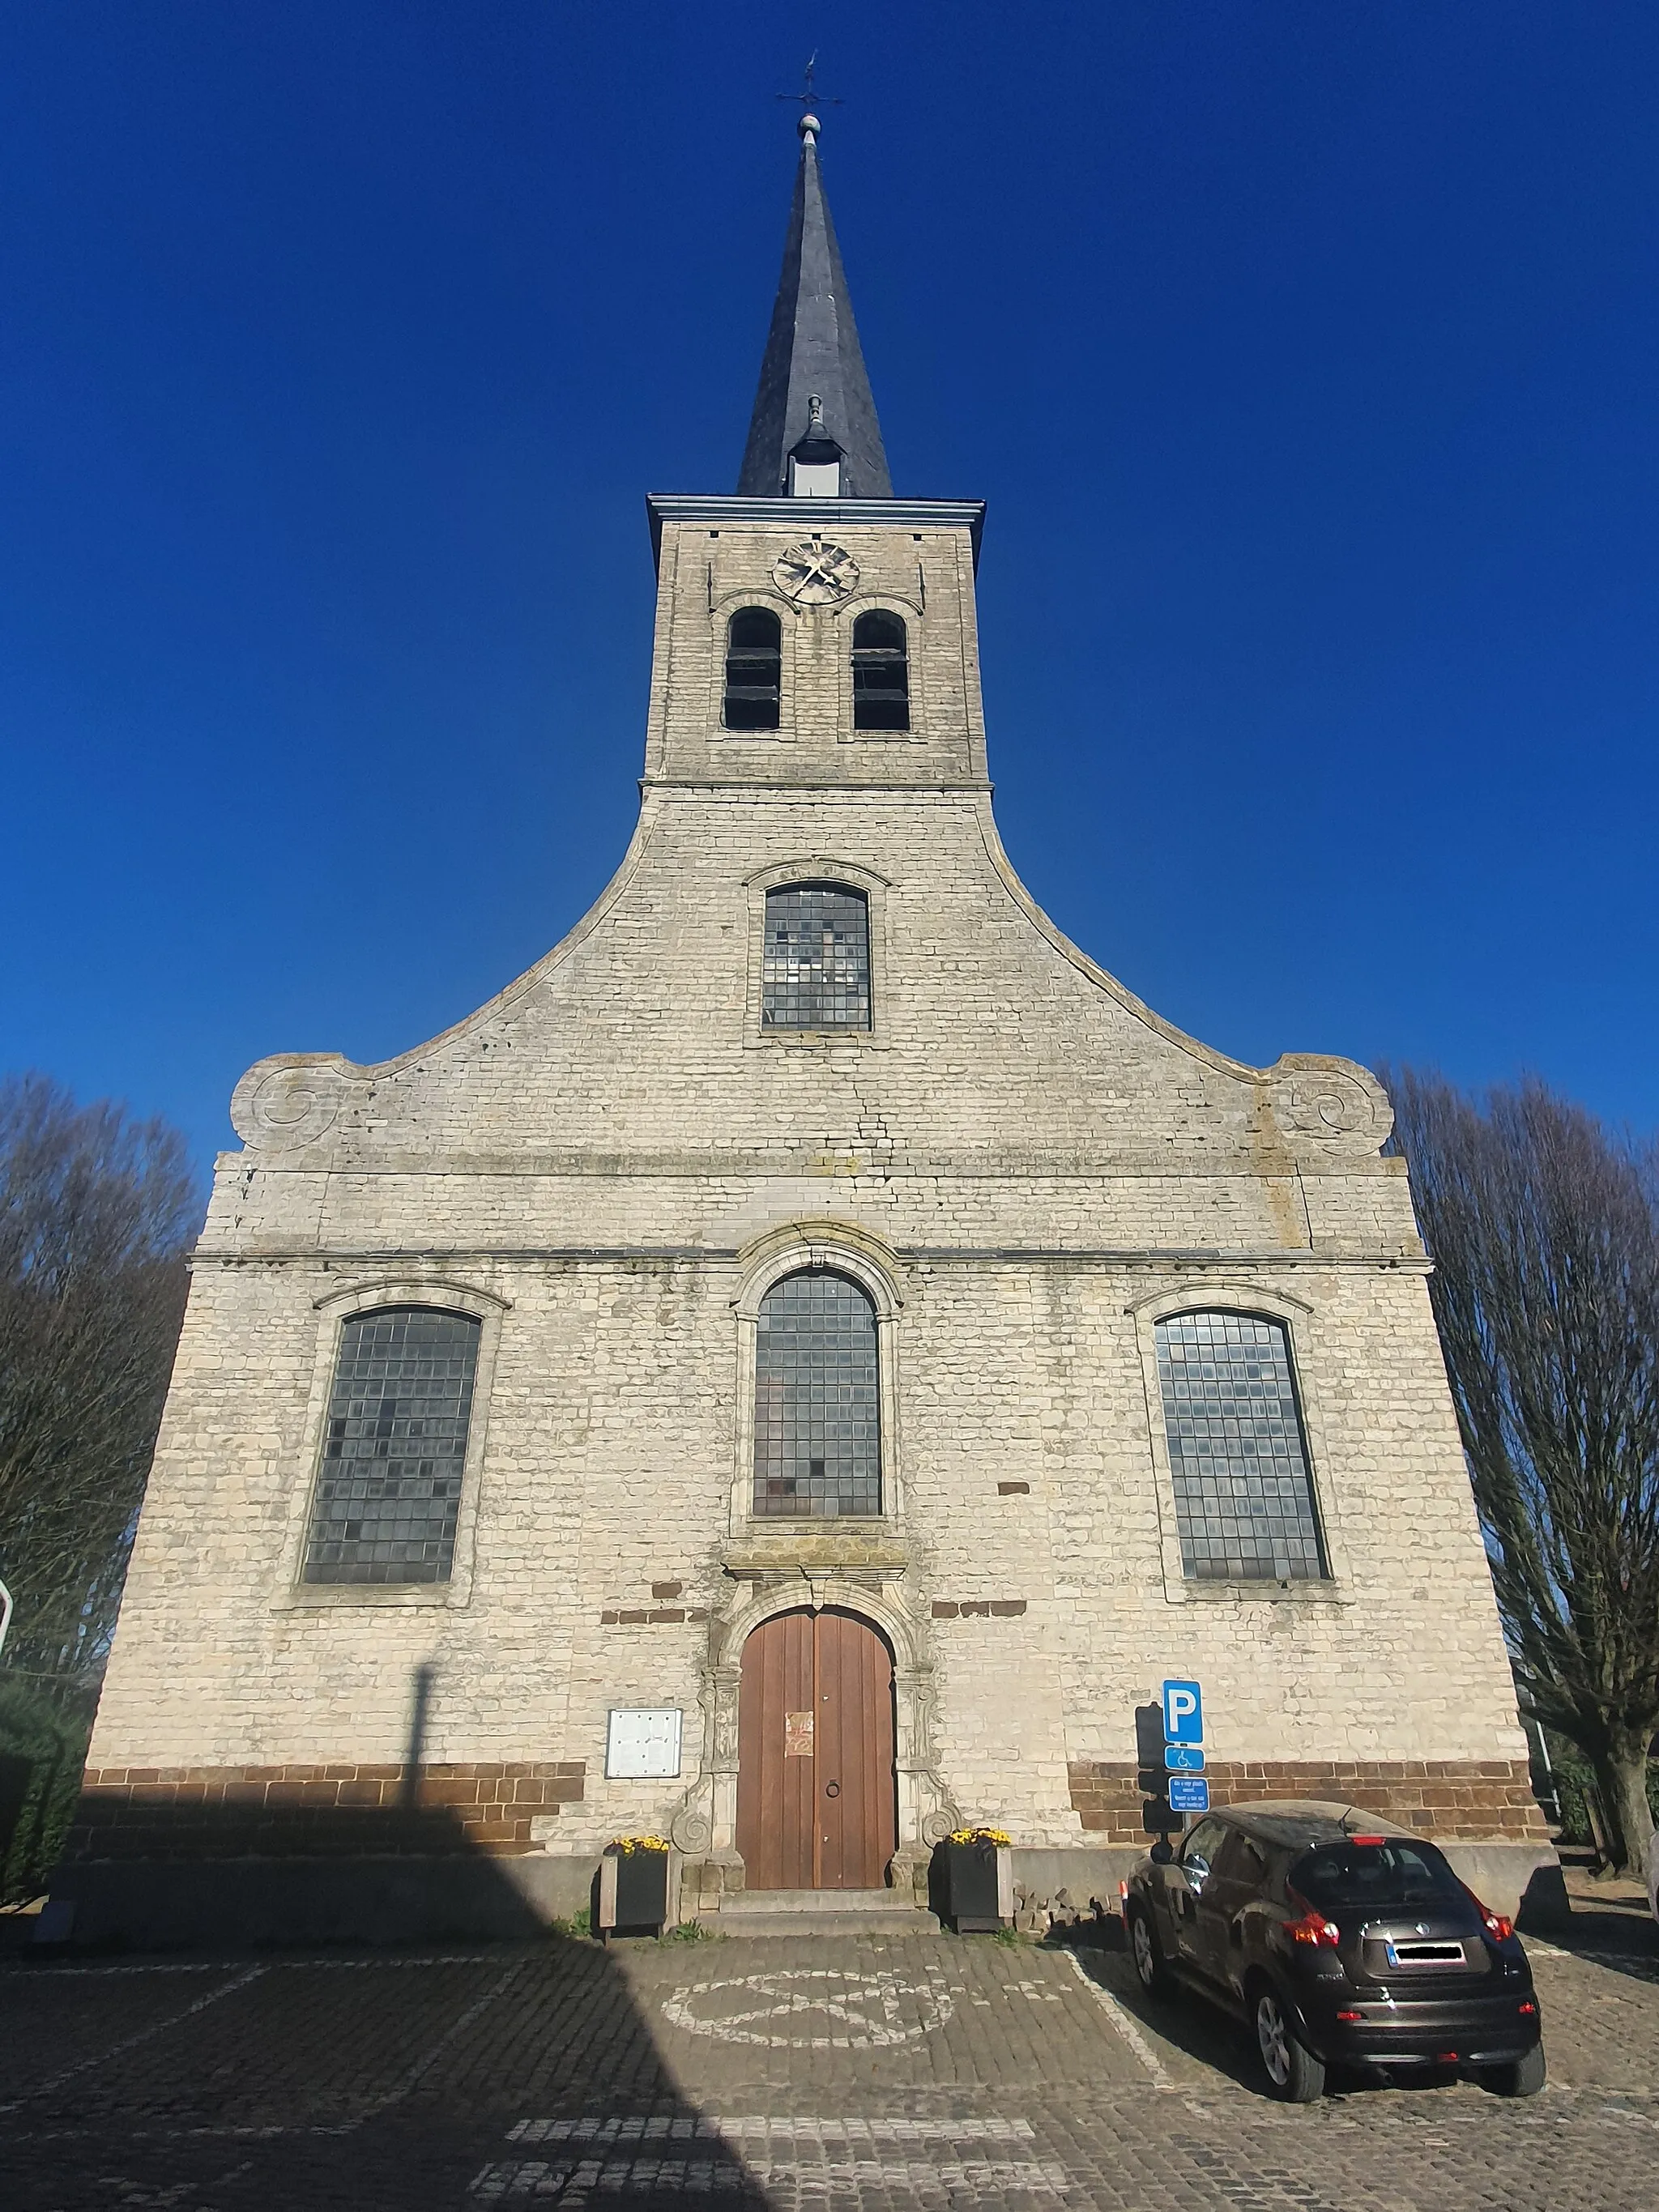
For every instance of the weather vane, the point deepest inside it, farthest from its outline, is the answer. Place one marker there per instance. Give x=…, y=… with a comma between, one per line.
x=809, y=100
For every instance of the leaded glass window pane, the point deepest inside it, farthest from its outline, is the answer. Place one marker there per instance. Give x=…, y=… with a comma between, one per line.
x=1243, y=1495
x=815, y=969
x=389, y=1487
x=818, y=1422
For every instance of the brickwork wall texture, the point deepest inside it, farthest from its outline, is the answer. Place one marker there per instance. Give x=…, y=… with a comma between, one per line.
x=235, y=1811
x=593, y=1162
x=1456, y=1799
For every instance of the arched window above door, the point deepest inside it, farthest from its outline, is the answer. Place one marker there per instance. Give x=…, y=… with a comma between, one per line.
x=818, y=1398
x=881, y=672
x=754, y=670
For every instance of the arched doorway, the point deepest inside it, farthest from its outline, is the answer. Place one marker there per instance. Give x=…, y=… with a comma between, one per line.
x=816, y=1793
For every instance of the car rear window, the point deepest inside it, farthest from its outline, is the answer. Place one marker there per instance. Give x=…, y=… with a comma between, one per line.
x=1339, y=1877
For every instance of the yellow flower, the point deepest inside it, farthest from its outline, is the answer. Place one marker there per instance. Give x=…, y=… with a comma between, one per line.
x=628, y=1845
x=994, y=1835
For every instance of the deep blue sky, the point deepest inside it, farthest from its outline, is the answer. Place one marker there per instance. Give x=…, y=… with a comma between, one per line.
x=1307, y=355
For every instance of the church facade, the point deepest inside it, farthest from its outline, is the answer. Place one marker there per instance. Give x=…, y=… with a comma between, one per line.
x=796, y=1371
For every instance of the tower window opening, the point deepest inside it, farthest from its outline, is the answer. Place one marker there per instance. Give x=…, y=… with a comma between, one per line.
x=815, y=966
x=814, y=479
x=754, y=670
x=881, y=673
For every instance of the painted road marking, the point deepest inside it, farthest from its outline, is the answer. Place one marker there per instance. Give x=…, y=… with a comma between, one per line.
x=1123, y=2022
x=870, y=2009
x=144, y=2035
x=571, y=2183
x=659, y=2127
x=610, y=2156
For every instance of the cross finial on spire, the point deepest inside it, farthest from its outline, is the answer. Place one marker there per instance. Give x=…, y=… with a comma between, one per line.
x=810, y=100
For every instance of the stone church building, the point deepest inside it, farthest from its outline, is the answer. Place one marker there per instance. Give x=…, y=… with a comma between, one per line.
x=797, y=1370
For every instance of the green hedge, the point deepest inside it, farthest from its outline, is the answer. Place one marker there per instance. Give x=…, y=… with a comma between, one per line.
x=42, y=1751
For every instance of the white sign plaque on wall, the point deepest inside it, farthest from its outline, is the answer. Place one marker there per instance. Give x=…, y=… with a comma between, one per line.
x=643, y=1745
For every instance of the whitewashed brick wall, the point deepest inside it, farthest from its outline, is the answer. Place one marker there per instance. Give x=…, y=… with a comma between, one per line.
x=599, y=1145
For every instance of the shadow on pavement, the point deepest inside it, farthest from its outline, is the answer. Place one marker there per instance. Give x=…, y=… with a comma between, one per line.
x=1619, y=1935
x=273, y=2057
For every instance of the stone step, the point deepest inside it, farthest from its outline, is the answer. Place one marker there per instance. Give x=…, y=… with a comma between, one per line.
x=819, y=1912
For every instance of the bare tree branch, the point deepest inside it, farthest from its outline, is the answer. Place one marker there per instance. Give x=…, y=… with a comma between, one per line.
x=1545, y=1233
x=96, y=1211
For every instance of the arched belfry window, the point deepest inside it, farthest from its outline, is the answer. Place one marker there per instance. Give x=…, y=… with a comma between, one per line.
x=815, y=966
x=1243, y=1494
x=818, y=1413
x=389, y=1488
x=881, y=672
x=754, y=670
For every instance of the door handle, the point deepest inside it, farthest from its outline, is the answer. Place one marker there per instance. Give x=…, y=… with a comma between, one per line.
x=832, y=1788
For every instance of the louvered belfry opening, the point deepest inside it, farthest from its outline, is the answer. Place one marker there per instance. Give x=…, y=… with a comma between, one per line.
x=754, y=670
x=881, y=672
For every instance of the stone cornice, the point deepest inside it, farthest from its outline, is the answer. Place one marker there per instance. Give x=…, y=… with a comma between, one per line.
x=793, y=514
x=1173, y=1258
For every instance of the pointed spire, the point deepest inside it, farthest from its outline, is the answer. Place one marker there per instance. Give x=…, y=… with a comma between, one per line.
x=814, y=407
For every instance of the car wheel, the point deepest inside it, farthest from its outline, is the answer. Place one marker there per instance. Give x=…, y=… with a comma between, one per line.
x=1524, y=2077
x=1294, y=2074
x=1151, y=1971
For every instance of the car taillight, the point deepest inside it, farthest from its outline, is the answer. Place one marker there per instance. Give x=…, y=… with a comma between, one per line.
x=1527, y=2006
x=1497, y=1925
x=1313, y=1927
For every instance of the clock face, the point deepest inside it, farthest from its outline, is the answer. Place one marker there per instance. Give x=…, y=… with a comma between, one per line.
x=815, y=573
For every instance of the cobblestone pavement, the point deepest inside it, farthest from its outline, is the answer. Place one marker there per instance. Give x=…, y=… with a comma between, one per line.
x=782, y=2073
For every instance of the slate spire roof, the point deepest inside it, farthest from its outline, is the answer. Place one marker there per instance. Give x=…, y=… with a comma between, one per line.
x=813, y=353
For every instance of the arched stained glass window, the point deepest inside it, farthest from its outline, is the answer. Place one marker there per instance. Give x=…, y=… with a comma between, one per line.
x=815, y=968
x=754, y=670
x=881, y=672
x=818, y=1415
x=1243, y=1496
x=389, y=1489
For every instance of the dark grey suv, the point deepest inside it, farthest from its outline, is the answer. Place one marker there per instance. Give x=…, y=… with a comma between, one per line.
x=1339, y=1939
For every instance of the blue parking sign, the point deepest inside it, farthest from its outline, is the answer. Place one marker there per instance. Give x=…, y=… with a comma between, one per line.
x=1188, y=1793
x=1183, y=1759
x=1184, y=1713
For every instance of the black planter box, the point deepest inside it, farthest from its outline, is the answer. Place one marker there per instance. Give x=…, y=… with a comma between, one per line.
x=640, y=1898
x=965, y=1886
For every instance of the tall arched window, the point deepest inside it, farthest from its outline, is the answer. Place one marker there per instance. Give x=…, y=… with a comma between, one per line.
x=1243, y=1495
x=881, y=673
x=754, y=670
x=815, y=966
x=389, y=1489
x=818, y=1413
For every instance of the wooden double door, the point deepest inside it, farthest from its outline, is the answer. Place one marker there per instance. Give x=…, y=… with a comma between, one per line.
x=817, y=1805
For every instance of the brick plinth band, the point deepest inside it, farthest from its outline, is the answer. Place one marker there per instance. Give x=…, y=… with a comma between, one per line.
x=1453, y=1799
x=342, y=1810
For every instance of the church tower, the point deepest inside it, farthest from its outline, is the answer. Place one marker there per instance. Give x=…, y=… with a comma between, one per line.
x=797, y=1368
